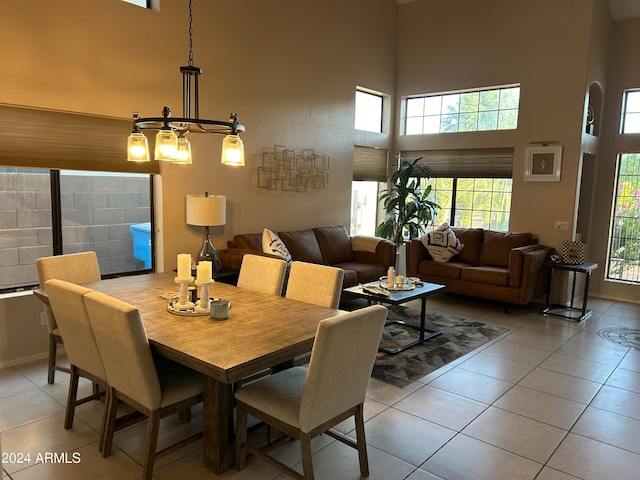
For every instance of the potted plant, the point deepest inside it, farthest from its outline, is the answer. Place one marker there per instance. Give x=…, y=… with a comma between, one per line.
x=406, y=203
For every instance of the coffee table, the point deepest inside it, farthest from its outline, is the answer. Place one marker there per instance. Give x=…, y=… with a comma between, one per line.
x=398, y=297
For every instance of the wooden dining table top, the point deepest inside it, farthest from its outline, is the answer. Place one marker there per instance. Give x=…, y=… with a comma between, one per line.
x=262, y=330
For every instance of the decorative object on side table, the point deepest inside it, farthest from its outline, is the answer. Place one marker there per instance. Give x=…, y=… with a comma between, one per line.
x=572, y=252
x=205, y=211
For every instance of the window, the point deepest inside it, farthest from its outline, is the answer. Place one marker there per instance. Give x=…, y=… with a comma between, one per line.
x=140, y=3
x=364, y=207
x=473, y=202
x=623, y=263
x=45, y=212
x=368, y=111
x=462, y=111
x=631, y=112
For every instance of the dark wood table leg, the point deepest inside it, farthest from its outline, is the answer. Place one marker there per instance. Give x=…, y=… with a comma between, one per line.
x=218, y=426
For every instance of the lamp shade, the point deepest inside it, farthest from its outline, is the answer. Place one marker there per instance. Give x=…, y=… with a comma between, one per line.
x=205, y=211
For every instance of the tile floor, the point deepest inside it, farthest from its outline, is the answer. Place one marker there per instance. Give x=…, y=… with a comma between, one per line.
x=549, y=399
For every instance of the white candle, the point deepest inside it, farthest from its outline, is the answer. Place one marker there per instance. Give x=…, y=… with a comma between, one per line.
x=184, y=266
x=204, y=272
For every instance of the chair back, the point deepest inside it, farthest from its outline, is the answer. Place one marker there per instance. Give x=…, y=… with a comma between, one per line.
x=67, y=303
x=262, y=274
x=340, y=367
x=76, y=268
x=124, y=348
x=317, y=284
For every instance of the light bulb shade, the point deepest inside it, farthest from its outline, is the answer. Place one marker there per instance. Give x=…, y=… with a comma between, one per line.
x=166, y=145
x=183, y=153
x=206, y=211
x=233, y=151
x=137, y=147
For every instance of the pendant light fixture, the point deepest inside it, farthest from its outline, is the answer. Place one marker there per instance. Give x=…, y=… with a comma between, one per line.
x=171, y=143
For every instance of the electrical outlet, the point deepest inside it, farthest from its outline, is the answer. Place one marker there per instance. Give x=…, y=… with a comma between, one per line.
x=43, y=318
x=561, y=226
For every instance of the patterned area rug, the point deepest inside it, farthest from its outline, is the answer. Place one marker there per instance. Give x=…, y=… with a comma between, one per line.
x=458, y=338
x=627, y=337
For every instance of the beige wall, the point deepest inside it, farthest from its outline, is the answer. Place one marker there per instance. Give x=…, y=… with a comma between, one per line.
x=623, y=73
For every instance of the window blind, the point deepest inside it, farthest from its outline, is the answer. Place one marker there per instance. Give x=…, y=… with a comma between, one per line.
x=466, y=163
x=51, y=139
x=369, y=164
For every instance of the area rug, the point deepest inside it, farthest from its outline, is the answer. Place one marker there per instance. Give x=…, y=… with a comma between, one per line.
x=459, y=337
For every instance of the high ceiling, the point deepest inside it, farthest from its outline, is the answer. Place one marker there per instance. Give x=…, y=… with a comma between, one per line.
x=620, y=9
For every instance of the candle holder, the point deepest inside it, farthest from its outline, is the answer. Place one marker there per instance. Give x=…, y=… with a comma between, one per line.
x=202, y=305
x=183, y=303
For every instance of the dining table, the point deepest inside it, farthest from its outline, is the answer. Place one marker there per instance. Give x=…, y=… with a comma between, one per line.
x=261, y=331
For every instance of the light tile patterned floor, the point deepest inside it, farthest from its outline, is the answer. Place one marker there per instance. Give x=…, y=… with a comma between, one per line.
x=549, y=400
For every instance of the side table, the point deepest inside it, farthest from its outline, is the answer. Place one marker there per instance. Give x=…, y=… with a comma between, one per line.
x=570, y=312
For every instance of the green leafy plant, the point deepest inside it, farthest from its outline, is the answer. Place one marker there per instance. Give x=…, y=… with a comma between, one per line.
x=406, y=203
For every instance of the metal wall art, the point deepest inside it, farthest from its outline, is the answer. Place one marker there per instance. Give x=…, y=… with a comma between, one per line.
x=290, y=171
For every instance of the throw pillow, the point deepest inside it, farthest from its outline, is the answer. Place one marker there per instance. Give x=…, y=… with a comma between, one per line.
x=272, y=244
x=442, y=243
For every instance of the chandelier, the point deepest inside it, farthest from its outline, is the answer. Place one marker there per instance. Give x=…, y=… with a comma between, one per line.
x=171, y=140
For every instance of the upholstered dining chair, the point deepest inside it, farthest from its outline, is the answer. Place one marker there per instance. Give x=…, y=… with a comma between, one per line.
x=73, y=267
x=303, y=403
x=317, y=284
x=262, y=274
x=156, y=389
x=67, y=303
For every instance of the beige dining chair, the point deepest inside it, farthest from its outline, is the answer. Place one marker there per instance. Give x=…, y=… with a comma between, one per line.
x=262, y=274
x=317, y=284
x=156, y=389
x=67, y=303
x=303, y=403
x=73, y=267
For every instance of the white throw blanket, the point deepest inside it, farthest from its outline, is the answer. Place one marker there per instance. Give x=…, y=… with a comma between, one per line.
x=364, y=243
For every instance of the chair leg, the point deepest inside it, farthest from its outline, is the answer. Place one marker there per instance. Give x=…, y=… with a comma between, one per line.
x=307, y=462
x=53, y=347
x=185, y=415
x=241, y=437
x=71, y=398
x=110, y=423
x=152, y=441
x=362, y=442
x=103, y=426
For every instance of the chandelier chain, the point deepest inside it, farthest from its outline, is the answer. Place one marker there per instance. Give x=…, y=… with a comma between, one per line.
x=190, y=35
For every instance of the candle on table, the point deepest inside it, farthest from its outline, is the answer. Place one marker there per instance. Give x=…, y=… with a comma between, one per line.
x=203, y=271
x=184, y=266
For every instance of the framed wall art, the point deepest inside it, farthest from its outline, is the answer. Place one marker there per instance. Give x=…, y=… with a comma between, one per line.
x=542, y=163
x=572, y=252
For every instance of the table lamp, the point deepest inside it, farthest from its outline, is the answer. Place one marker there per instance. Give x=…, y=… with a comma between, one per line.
x=205, y=211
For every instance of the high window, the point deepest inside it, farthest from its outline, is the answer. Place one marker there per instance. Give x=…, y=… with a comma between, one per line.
x=368, y=111
x=623, y=263
x=631, y=112
x=140, y=3
x=461, y=111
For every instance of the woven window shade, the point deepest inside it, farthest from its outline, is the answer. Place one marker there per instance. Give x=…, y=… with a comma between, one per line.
x=52, y=139
x=369, y=164
x=466, y=163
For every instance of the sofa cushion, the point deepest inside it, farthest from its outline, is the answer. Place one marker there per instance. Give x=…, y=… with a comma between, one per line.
x=303, y=245
x=350, y=278
x=442, y=243
x=472, y=240
x=335, y=245
x=272, y=244
x=365, y=272
x=486, y=275
x=446, y=270
x=496, y=247
x=248, y=241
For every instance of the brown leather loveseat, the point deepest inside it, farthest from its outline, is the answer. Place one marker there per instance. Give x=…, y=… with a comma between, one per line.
x=363, y=259
x=503, y=266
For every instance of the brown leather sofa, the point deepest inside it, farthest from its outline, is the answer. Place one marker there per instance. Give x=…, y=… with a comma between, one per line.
x=322, y=245
x=503, y=266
